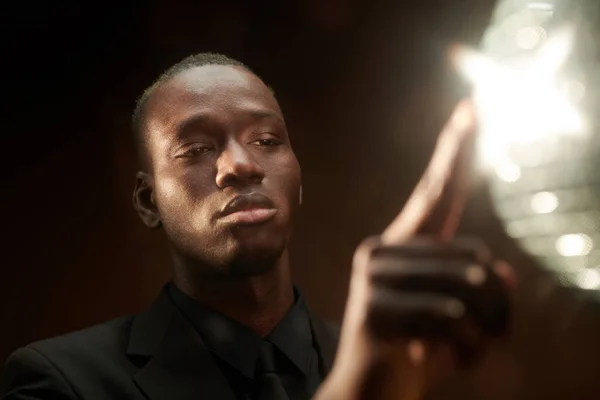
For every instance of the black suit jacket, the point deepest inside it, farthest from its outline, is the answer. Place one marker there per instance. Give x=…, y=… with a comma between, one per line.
x=155, y=355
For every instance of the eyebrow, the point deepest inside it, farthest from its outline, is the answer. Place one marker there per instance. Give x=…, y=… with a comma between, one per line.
x=201, y=118
x=194, y=120
x=259, y=114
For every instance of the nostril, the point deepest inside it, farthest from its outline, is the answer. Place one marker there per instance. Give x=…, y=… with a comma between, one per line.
x=239, y=173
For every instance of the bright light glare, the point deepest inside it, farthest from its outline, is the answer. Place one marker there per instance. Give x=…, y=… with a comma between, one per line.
x=541, y=6
x=520, y=103
x=574, y=91
x=588, y=279
x=507, y=170
x=530, y=36
x=544, y=202
x=573, y=245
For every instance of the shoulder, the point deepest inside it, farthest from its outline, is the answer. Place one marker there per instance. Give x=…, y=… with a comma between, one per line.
x=106, y=338
x=47, y=366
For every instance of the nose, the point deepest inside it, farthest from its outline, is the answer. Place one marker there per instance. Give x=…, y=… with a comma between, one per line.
x=237, y=166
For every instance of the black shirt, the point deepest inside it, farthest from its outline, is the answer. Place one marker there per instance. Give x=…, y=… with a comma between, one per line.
x=236, y=347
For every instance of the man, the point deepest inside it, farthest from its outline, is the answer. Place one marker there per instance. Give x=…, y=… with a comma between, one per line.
x=218, y=175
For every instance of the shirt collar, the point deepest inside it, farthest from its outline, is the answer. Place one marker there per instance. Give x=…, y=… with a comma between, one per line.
x=293, y=335
x=238, y=345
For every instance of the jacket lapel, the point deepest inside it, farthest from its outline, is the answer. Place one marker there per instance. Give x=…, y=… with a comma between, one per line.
x=326, y=335
x=179, y=365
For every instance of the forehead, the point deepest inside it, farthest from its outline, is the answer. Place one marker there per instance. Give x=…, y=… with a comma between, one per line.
x=221, y=91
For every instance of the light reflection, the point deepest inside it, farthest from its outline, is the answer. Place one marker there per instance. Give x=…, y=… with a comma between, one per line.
x=544, y=202
x=533, y=88
x=512, y=230
x=573, y=245
x=574, y=91
x=521, y=103
x=513, y=22
x=529, y=37
x=542, y=6
x=588, y=279
x=508, y=171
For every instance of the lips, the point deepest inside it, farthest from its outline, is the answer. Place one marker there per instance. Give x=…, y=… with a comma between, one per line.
x=250, y=208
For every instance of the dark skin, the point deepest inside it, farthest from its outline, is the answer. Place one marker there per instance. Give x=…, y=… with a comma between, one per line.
x=213, y=133
x=217, y=132
x=422, y=302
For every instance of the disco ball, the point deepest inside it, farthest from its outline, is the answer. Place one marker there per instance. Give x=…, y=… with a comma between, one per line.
x=537, y=79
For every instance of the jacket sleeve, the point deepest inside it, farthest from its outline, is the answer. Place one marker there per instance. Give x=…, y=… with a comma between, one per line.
x=29, y=375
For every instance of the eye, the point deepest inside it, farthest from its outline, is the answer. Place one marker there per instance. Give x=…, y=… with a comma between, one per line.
x=195, y=151
x=267, y=142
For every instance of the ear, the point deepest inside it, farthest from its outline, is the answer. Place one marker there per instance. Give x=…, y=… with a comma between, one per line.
x=143, y=200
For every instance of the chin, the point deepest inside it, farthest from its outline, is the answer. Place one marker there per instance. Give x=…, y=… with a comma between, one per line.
x=234, y=252
x=267, y=238
x=257, y=254
x=259, y=251
x=242, y=269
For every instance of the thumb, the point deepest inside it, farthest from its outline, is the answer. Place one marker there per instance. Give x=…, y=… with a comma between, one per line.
x=435, y=206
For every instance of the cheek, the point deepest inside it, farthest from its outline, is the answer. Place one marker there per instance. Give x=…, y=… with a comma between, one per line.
x=286, y=179
x=179, y=196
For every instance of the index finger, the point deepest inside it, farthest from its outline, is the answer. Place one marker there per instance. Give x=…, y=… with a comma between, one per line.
x=435, y=206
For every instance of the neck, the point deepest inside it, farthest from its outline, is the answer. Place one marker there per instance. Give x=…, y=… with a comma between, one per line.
x=258, y=302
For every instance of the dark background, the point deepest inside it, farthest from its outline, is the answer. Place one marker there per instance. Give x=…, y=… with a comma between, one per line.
x=365, y=89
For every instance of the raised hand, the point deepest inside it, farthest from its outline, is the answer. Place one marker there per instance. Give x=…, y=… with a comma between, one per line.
x=421, y=302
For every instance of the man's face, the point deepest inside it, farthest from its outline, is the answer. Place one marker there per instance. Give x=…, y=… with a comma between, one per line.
x=225, y=179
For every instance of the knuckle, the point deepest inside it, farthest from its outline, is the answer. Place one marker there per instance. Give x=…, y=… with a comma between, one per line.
x=475, y=275
x=364, y=251
x=370, y=243
x=476, y=245
x=452, y=308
